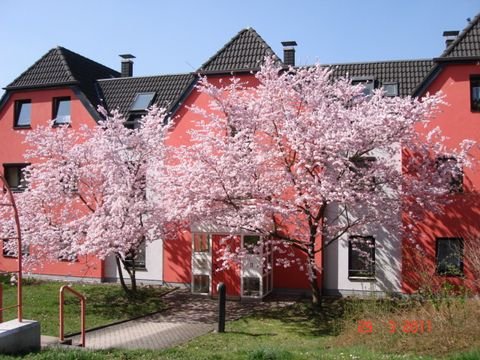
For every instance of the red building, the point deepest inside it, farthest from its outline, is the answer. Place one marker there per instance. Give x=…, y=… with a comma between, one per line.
x=448, y=242
x=67, y=87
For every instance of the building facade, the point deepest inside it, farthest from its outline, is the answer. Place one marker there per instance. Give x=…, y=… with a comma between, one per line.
x=67, y=87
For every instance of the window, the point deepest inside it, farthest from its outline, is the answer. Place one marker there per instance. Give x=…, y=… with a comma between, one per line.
x=23, y=113
x=361, y=257
x=69, y=183
x=9, y=252
x=65, y=253
x=390, y=88
x=201, y=284
x=136, y=258
x=133, y=121
x=449, y=256
x=475, y=93
x=362, y=162
x=142, y=101
x=249, y=242
x=361, y=166
x=367, y=82
x=449, y=170
x=251, y=286
x=61, y=110
x=201, y=243
x=15, y=176
x=69, y=178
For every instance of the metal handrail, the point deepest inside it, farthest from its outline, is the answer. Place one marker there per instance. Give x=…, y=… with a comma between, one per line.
x=82, y=312
x=19, y=305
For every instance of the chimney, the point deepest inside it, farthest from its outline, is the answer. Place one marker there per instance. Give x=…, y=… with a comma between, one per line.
x=289, y=52
x=450, y=37
x=127, y=65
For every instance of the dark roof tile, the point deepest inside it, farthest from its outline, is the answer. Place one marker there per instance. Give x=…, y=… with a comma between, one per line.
x=407, y=73
x=60, y=66
x=467, y=43
x=120, y=93
x=245, y=51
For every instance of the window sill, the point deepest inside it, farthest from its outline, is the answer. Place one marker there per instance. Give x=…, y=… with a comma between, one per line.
x=27, y=127
x=447, y=275
x=69, y=125
x=362, y=278
x=253, y=296
x=17, y=190
x=141, y=269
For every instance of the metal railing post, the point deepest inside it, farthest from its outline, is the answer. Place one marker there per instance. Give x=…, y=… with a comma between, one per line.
x=62, y=316
x=8, y=192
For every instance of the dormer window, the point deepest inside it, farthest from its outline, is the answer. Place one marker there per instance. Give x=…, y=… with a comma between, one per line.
x=61, y=110
x=368, y=83
x=142, y=101
x=390, y=88
x=23, y=113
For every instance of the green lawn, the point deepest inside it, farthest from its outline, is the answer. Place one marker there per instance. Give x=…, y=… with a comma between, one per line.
x=295, y=332
x=106, y=303
x=280, y=335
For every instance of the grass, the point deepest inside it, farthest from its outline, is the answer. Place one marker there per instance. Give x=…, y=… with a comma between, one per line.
x=296, y=332
x=450, y=325
x=302, y=332
x=106, y=303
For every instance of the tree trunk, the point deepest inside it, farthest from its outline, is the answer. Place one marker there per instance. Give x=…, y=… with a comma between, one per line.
x=133, y=277
x=121, y=265
x=120, y=274
x=315, y=289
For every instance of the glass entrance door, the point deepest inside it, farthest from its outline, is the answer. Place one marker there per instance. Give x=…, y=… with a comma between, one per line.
x=201, y=263
x=257, y=273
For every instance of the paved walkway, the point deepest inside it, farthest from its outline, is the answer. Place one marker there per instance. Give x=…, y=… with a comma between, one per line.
x=188, y=316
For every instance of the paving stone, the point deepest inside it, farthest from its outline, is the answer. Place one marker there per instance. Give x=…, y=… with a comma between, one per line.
x=188, y=316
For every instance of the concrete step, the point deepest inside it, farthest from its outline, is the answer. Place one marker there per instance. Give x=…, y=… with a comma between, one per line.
x=53, y=341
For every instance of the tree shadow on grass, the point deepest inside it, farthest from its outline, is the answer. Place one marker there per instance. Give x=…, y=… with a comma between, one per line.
x=111, y=302
x=252, y=334
x=305, y=319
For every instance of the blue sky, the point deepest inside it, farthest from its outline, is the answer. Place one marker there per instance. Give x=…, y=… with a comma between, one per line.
x=178, y=36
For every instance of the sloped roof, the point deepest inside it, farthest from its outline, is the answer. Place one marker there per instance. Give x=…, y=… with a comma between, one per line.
x=60, y=66
x=467, y=43
x=407, y=73
x=244, y=52
x=120, y=93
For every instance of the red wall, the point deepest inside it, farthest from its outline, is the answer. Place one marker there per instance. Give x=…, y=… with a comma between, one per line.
x=12, y=149
x=231, y=276
x=177, y=253
x=462, y=217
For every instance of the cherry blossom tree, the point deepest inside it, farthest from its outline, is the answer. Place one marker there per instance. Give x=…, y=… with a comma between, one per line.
x=87, y=192
x=303, y=159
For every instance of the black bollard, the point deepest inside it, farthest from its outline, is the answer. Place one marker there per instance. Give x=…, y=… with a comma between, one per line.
x=222, y=294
